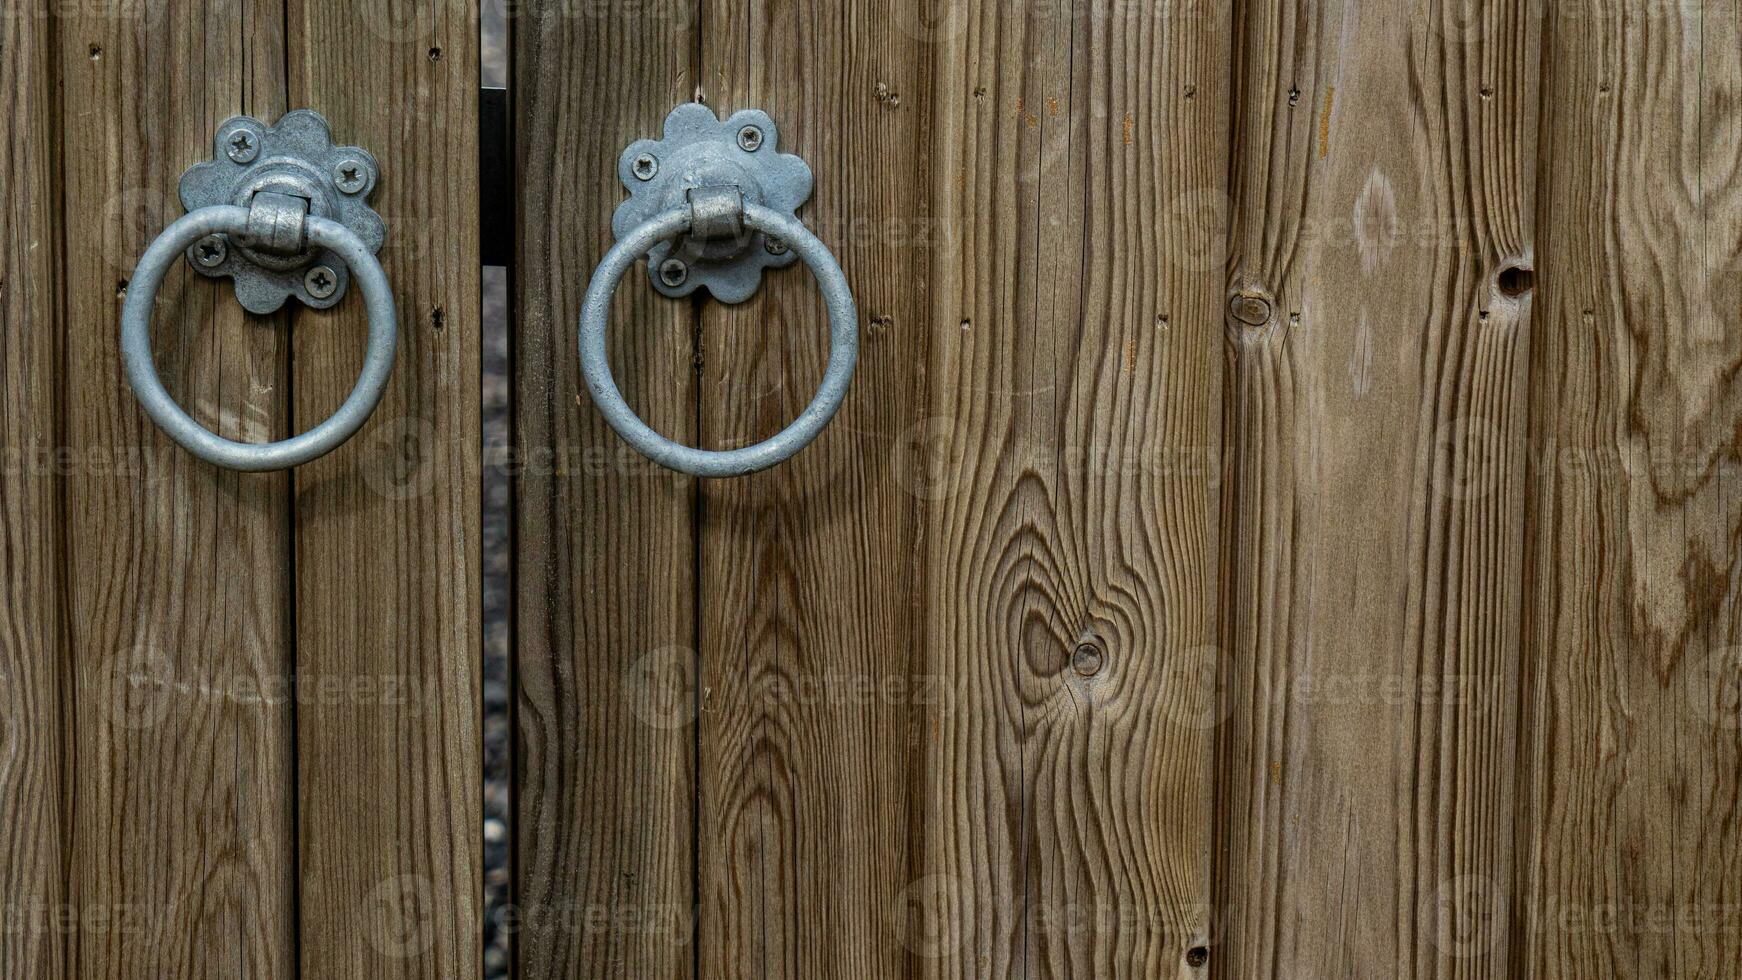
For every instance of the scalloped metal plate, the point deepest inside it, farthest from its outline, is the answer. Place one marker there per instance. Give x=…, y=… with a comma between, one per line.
x=700, y=150
x=295, y=156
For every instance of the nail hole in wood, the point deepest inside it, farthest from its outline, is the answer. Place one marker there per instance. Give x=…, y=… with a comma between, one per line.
x=120, y=287
x=1515, y=281
x=435, y=54
x=96, y=52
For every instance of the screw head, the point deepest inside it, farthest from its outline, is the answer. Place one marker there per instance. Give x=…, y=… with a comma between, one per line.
x=750, y=139
x=350, y=175
x=210, y=251
x=241, y=145
x=774, y=246
x=321, y=282
x=673, y=272
x=645, y=166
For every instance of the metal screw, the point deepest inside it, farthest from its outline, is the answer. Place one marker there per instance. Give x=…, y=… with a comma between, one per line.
x=210, y=251
x=774, y=246
x=645, y=166
x=241, y=146
x=321, y=282
x=673, y=272
x=350, y=175
x=750, y=139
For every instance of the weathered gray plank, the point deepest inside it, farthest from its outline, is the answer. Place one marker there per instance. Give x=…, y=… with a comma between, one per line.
x=812, y=653
x=387, y=539
x=178, y=573
x=1383, y=183
x=32, y=883
x=1071, y=543
x=1630, y=856
x=605, y=614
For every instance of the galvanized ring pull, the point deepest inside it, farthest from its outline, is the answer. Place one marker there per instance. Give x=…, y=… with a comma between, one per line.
x=233, y=221
x=713, y=204
x=700, y=210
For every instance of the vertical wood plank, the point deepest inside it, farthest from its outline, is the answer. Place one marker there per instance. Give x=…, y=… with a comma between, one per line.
x=1630, y=853
x=180, y=738
x=32, y=881
x=811, y=646
x=1377, y=417
x=387, y=543
x=1070, y=553
x=605, y=568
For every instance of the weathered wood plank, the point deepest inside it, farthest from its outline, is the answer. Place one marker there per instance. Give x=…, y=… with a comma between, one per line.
x=387, y=539
x=1631, y=860
x=1070, y=553
x=32, y=881
x=1377, y=417
x=605, y=571
x=811, y=649
x=178, y=574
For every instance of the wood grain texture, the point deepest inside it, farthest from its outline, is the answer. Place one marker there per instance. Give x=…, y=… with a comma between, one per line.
x=387, y=536
x=1630, y=855
x=1376, y=412
x=32, y=880
x=605, y=569
x=1071, y=548
x=178, y=573
x=900, y=770
x=812, y=651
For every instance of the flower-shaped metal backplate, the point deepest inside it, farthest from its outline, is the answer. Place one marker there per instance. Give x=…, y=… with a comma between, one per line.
x=699, y=150
x=296, y=158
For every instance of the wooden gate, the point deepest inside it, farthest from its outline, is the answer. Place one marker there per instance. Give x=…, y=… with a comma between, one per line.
x=1284, y=523
x=238, y=712
x=1279, y=527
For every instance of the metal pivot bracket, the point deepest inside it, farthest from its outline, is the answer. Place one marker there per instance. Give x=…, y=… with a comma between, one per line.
x=716, y=168
x=283, y=174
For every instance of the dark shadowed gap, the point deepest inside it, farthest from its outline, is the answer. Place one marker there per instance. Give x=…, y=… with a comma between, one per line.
x=497, y=542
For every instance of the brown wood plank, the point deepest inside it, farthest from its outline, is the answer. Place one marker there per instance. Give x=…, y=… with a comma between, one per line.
x=1383, y=179
x=387, y=542
x=1070, y=553
x=32, y=883
x=177, y=572
x=1630, y=857
x=605, y=605
x=812, y=653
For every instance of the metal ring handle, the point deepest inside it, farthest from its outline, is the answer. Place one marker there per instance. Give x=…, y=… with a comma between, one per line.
x=195, y=438
x=843, y=347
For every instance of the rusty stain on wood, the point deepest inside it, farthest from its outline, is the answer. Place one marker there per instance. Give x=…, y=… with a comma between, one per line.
x=1325, y=122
